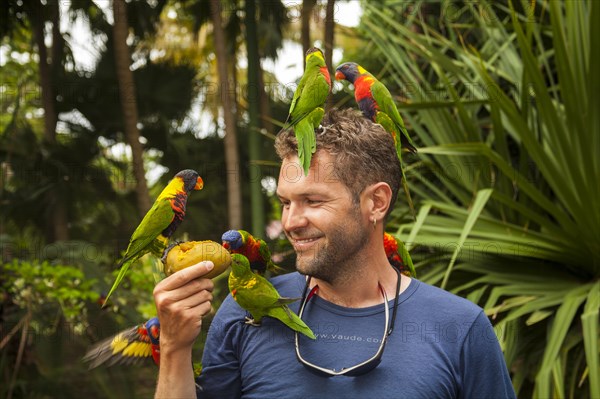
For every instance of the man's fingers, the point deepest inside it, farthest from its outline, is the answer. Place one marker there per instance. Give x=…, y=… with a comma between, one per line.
x=195, y=299
x=191, y=288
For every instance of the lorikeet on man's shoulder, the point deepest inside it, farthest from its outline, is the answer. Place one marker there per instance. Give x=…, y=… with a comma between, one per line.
x=257, y=295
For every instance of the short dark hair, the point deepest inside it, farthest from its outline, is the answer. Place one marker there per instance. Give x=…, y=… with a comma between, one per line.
x=363, y=151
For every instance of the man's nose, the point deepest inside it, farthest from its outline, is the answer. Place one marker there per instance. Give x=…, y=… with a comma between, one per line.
x=294, y=218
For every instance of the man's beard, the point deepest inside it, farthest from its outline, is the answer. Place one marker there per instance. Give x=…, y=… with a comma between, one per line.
x=333, y=261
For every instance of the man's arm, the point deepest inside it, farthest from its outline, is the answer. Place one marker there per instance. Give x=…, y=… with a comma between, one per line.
x=182, y=300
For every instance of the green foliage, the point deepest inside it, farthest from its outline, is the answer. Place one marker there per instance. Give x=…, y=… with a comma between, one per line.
x=41, y=287
x=501, y=99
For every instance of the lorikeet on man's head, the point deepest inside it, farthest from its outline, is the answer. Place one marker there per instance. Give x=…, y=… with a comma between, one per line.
x=376, y=104
x=306, y=110
x=161, y=221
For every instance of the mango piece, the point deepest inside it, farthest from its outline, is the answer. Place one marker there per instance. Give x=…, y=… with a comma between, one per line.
x=192, y=252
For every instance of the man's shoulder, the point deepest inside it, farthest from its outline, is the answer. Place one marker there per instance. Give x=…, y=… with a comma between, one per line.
x=439, y=300
x=289, y=284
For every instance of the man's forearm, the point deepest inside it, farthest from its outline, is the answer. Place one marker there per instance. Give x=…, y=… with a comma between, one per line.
x=176, y=376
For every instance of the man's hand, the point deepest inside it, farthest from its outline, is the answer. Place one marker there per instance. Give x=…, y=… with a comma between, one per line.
x=182, y=300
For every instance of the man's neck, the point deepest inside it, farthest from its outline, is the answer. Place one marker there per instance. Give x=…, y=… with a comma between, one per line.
x=359, y=287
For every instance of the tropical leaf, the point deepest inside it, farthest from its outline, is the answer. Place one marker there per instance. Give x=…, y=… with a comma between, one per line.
x=503, y=98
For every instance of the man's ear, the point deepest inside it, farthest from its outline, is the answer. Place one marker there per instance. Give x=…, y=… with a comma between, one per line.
x=378, y=197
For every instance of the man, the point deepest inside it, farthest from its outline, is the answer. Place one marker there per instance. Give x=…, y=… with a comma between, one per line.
x=379, y=334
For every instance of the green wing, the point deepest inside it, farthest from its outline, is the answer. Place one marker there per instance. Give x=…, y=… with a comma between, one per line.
x=290, y=319
x=265, y=254
x=263, y=295
x=305, y=135
x=297, y=94
x=156, y=220
x=384, y=100
x=388, y=124
x=384, y=120
x=403, y=251
x=312, y=92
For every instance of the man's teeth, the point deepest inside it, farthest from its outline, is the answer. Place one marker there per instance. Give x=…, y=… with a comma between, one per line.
x=303, y=240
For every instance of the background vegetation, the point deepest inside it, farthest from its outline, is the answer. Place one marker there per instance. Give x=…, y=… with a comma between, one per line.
x=499, y=96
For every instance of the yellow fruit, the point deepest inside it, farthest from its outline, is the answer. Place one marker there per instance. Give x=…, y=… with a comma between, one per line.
x=192, y=252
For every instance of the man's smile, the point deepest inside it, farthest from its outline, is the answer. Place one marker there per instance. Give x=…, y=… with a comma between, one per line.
x=304, y=243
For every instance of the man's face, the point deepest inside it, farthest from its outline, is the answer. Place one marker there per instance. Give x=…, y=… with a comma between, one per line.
x=319, y=217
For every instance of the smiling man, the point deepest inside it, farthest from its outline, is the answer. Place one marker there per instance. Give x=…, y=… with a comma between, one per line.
x=379, y=334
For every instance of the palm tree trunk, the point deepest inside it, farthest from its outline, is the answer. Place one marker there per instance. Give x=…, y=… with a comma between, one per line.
x=234, y=193
x=307, y=11
x=57, y=224
x=329, y=37
x=45, y=77
x=256, y=196
x=129, y=103
x=265, y=106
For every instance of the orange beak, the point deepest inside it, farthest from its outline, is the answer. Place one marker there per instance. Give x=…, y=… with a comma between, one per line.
x=339, y=75
x=199, y=184
x=226, y=245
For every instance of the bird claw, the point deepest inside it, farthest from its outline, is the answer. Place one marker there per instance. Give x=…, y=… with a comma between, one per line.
x=322, y=129
x=250, y=321
x=167, y=249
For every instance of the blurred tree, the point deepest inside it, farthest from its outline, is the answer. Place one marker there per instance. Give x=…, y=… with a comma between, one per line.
x=36, y=15
x=129, y=103
x=328, y=42
x=232, y=162
x=256, y=198
x=306, y=15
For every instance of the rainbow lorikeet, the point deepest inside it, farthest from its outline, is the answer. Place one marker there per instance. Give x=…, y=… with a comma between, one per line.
x=255, y=249
x=257, y=295
x=376, y=104
x=130, y=346
x=398, y=255
x=161, y=221
x=306, y=110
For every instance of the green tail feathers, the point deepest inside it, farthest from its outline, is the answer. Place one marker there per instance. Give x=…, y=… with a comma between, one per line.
x=120, y=276
x=290, y=319
x=305, y=135
x=307, y=144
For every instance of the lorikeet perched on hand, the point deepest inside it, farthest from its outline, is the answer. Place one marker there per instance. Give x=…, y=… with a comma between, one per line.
x=399, y=258
x=257, y=295
x=306, y=109
x=127, y=347
x=255, y=249
x=161, y=221
x=376, y=104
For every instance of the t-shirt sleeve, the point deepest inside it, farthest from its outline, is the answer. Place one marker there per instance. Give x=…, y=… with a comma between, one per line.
x=220, y=377
x=484, y=373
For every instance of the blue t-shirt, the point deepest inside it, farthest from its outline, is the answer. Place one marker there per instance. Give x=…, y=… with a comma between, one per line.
x=442, y=346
